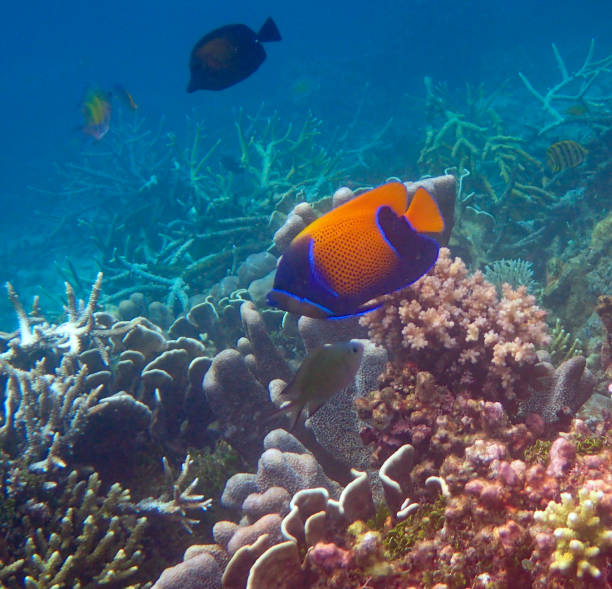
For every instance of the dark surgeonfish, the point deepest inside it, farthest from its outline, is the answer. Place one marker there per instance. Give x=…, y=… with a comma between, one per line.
x=365, y=248
x=565, y=154
x=228, y=55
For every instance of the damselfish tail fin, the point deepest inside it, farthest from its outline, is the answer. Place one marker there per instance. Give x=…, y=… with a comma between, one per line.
x=292, y=409
x=269, y=32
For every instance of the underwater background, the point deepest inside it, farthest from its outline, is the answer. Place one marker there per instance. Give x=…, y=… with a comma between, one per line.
x=139, y=415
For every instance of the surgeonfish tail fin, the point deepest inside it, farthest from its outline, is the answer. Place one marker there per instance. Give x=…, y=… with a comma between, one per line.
x=424, y=214
x=269, y=32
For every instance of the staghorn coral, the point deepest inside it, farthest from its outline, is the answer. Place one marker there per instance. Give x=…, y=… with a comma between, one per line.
x=177, y=503
x=50, y=384
x=80, y=531
x=563, y=345
x=476, y=140
x=190, y=240
x=68, y=386
x=453, y=325
x=573, y=87
x=38, y=338
x=75, y=535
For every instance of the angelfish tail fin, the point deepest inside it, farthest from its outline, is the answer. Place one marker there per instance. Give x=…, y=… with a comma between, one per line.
x=424, y=214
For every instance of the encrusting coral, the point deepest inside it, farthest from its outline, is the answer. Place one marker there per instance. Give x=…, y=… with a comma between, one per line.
x=266, y=548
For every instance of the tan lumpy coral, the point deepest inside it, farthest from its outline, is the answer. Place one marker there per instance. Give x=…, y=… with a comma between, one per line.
x=453, y=325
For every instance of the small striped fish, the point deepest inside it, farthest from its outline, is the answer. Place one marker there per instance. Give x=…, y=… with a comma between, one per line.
x=565, y=154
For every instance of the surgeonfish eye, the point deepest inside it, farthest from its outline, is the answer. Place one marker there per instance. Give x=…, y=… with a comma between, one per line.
x=355, y=348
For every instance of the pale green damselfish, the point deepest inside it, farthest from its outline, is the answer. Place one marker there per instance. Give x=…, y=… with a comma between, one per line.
x=324, y=372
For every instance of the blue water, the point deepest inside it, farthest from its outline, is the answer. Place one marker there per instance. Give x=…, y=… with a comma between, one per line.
x=352, y=55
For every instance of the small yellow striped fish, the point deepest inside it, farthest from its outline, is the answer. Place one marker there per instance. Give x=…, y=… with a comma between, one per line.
x=565, y=154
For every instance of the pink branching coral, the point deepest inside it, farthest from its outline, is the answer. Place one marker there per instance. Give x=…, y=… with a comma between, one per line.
x=453, y=325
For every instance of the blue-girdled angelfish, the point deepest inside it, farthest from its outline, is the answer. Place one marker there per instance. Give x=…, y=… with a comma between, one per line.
x=370, y=246
x=324, y=372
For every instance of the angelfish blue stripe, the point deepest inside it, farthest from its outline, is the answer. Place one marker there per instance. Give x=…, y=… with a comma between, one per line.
x=303, y=300
x=315, y=273
x=383, y=233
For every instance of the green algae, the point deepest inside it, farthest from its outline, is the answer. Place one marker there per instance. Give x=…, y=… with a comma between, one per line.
x=538, y=452
x=420, y=524
x=588, y=444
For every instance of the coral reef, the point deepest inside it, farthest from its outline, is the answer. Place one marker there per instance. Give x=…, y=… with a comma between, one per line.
x=514, y=272
x=491, y=517
x=573, y=87
x=560, y=391
x=472, y=469
x=240, y=383
x=453, y=325
x=284, y=515
x=83, y=401
x=77, y=534
x=604, y=310
x=577, y=277
x=498, y=164
x=580, y=534
x=74, y=535
x=194, y=192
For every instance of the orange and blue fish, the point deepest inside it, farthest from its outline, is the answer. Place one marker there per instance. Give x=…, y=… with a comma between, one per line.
x=96, y=110
x=370, y=246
